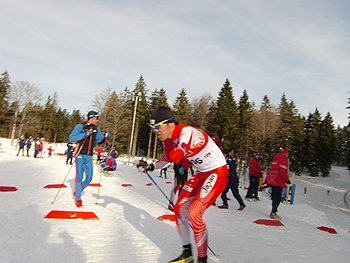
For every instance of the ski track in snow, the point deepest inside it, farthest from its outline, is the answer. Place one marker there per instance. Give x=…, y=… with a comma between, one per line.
x=128, y=229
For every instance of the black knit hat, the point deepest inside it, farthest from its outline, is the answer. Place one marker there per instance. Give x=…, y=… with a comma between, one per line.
x=225, y=151
x=161, y=113
x=92, y=115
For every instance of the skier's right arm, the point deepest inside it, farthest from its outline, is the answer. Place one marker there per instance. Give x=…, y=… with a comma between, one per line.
x=77, y=134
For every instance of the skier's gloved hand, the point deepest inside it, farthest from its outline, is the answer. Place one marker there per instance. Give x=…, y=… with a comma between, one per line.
x=149, y=167
x=288, y=182
x=106, y=135
x=88, y=133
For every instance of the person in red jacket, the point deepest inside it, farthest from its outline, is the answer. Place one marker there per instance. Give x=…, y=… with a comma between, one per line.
x=99, y=151
x=277, y=177
x=50, y=150
x=255, y=173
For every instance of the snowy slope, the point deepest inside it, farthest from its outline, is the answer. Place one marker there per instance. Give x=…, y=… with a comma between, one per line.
x=128, y=229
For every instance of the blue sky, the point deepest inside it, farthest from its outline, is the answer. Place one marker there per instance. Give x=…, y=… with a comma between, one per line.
x=79, y=48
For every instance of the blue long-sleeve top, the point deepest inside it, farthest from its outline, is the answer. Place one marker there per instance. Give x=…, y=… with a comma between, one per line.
x=78, y=135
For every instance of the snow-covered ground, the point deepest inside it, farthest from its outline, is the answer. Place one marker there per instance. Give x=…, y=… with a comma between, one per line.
x=128, y=229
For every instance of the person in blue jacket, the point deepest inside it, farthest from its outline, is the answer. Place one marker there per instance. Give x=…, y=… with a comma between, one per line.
x=85, y=134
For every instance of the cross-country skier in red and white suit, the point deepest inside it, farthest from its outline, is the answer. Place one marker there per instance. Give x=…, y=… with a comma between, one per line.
x=184, y=141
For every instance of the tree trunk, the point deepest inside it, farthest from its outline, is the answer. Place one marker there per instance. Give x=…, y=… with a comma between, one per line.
x=149, y=144
x=14, y=125
x=155, y=147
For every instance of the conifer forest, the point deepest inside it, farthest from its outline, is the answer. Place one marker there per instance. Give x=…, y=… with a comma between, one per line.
x=240, y=124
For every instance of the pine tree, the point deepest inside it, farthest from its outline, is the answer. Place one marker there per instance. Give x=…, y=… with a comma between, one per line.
x=292, y=134
x=327, y=144
x=245, y=111
x=347, y=142
x=48, y=117
x=140, y=140
x=297, y=153
x=312, y=143
x=5, y=85
x=226, y=117
x=180, y=107
x=156, y=99
x=286, y=116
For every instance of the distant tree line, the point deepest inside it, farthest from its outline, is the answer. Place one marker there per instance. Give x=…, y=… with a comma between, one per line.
x=241, y=125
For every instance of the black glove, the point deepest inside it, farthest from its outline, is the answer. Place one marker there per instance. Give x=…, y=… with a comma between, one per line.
x=149, y=167
x=288, y=182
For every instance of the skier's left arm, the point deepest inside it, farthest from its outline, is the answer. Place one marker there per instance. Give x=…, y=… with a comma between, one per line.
x=283, y=170
x=99, y=138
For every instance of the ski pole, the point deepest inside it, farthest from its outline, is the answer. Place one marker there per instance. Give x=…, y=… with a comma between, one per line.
x=160, y=189
x=173, y=205
x=98, y=191
x=75, y=160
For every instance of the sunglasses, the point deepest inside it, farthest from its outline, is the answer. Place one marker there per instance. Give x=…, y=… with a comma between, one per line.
x=157, y=126
x=91, y=117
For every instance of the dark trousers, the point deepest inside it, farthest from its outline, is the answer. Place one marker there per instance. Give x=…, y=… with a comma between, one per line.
x=20, y=150
x=253, y=187
x=28, y=151
x=69, y=158
x=234, y=188
x=163, y=170
x=276, y=197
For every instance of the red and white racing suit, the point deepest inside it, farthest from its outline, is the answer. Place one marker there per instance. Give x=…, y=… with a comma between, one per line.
x=205, y=185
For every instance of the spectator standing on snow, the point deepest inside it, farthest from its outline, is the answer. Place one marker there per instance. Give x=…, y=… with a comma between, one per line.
x=28, y=145
x=49, y=151
x=41, y=147
x=255, y=173
x=163, y=170
x=184, y=141
x=99, y=153
x=70, y=151
x=36, y=147
x=85, y=134
x=232, y=183
x=22, y=143
x=277, y=177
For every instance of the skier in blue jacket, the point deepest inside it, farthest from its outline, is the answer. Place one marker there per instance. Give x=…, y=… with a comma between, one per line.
x=85, y=134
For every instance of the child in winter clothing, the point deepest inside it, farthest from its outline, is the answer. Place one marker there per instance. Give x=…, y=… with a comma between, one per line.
x=110, y=164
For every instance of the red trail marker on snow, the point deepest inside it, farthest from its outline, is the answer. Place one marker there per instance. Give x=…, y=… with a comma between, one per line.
x=57, y=214
x=55, y=186
x=268, y=222
x=8, y=189
x=327, y=229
